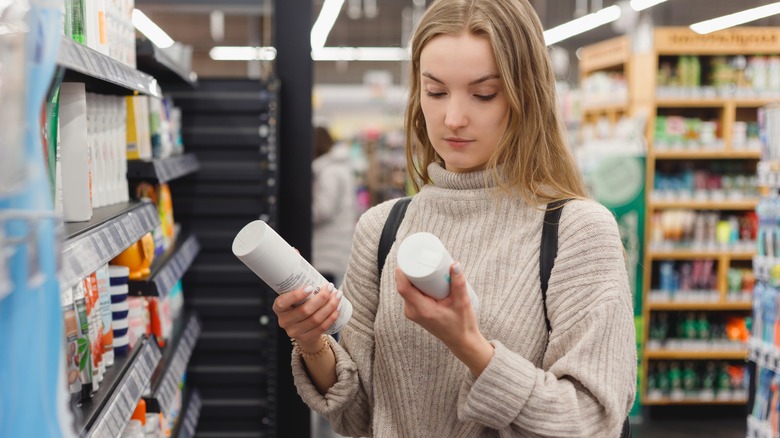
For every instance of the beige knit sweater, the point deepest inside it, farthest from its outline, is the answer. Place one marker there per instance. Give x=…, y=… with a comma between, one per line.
x=397, y=380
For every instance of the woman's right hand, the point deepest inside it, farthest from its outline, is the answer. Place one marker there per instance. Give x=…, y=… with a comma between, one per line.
x=306, y=322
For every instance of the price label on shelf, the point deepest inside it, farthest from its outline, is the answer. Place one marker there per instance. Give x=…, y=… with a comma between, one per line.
x=121, y=404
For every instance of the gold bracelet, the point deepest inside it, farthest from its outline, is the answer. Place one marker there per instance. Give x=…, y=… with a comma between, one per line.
x=315, y=355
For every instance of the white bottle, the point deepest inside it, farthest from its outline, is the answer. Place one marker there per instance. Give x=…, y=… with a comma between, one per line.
x=273, y=260
x=75, y=155
x=426, y=263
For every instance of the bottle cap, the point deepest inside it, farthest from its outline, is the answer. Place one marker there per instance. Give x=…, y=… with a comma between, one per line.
x=140, y=412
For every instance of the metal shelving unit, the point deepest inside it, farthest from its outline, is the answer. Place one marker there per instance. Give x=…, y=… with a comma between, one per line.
x=110, y=409
x=89, y=245
x=102, y=74
x=165, y=381
x=167, y=269
x=163, y=170
x=154, y=61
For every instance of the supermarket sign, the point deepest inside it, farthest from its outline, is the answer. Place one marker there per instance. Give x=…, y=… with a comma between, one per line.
x=738, y=40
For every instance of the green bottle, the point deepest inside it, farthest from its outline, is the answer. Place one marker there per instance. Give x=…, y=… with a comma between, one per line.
x=690, y=380
x=76, y=20
x=703, y=327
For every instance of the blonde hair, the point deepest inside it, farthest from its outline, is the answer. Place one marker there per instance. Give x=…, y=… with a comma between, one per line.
x=535, y=160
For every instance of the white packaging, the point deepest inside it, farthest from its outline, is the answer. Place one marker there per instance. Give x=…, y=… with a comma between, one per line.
x=273, y=260
x=426, y=263
x=75, y=153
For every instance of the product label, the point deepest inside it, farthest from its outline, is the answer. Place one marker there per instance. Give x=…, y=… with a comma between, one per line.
x=83, y=351
x=104, y=290
x=71, y=342
x=306, y=275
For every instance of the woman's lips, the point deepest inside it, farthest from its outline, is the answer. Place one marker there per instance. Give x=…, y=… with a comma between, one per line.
x=457, y=142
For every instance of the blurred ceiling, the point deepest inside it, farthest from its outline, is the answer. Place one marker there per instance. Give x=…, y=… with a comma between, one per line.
x=249, y=22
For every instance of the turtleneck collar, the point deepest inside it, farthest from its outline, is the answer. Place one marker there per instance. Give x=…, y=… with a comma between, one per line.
x=445, y=179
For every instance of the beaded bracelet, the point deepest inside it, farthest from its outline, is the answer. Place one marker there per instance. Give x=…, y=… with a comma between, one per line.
x=318, y=353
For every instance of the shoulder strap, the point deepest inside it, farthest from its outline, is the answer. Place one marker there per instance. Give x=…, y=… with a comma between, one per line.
x=549, y=249
x=388, y=232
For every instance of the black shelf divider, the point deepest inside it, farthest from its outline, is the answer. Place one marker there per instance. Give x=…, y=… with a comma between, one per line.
x=89, y=245
x=154, y=61
x=102, y=74
x=110, y=409
x=188, y=421
x=165, y=381
x=167, y=269
x=163, y=169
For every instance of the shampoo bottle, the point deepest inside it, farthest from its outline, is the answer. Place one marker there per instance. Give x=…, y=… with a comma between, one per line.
x=426, y=263
x=273, y=260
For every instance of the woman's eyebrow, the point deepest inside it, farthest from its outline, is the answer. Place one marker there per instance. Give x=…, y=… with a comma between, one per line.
x=474, y=82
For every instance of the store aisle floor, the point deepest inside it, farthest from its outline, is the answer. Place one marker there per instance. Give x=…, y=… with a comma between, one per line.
x=725, y=428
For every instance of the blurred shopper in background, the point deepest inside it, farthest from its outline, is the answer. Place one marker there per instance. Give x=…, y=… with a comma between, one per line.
x=333, y=206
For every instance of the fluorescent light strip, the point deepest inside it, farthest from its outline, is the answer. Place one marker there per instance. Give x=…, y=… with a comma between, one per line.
x=360, y=54
x=581, y=25
x=152, y=31
x=641, y=5
x=328, y=14
x=242, y=53
x=736, y=19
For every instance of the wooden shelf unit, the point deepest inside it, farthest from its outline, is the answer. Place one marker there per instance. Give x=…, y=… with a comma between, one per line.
x=640, y=70
x=666, y=306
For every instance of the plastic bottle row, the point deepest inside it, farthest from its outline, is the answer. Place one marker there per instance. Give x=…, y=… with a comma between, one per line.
x=703, y=230
x=103, y=25
x=717, y=182
x=697, y=381
x=697, y=281
x=89, y=139
x=102, y=322
x=689, y=331
x=718, y=76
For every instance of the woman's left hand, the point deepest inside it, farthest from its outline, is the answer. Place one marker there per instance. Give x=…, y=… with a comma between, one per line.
x=451, y=319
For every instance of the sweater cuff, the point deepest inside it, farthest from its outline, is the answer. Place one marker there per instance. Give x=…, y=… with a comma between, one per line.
x=340, y=394
x=496, y=398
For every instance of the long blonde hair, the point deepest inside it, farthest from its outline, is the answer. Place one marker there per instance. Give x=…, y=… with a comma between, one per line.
x=535, y=160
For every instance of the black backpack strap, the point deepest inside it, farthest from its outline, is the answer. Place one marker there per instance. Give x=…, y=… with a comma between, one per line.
x=549, y=249
x=392, y=223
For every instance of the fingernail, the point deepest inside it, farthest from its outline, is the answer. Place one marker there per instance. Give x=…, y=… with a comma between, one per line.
x=339, y=294
x=456, y=268
x=331, y=287
x=308, y=290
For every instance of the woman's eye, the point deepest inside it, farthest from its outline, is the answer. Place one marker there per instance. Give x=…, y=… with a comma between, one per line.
x=485, y=97
x=435, y=94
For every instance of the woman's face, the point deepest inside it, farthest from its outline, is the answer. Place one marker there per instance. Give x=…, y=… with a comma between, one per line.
x=462, y=99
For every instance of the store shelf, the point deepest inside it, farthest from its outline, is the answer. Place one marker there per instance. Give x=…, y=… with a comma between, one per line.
x=188, y=421
x=748, y=204
x=90, y=245
x=690, y=103
x=102, y=74
x=619, y=107
x=110, y=409
x=703, y=306
x=671, y=402
x=154, y=61
x=163, y=169
x=705, y=154
x=167, y=269
x=682, y=255
x=165, y=381
x=695, y=355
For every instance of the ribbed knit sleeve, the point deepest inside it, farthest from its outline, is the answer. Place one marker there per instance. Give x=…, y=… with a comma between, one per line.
x=348, y=404
x=587, y=383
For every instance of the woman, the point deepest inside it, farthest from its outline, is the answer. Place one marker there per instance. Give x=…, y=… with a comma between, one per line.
x=484, y=140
